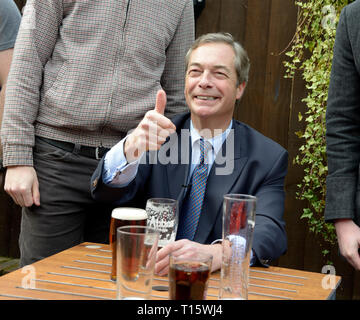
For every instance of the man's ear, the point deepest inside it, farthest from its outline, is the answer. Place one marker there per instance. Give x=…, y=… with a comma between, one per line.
x=240, y=90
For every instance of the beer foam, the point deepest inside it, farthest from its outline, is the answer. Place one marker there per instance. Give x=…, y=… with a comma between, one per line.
x=128, y=213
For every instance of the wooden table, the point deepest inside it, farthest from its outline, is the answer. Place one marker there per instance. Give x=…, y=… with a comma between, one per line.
x=83, y=272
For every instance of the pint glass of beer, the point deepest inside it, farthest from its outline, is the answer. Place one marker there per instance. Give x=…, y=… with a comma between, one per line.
x=189, y=276
x=123, y=217
x=136, y=255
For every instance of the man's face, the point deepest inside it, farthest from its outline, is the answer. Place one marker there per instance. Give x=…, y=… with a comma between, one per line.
x=211, y=84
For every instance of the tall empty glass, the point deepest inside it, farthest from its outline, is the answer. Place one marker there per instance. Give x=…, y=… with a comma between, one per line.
x=238, y=228
x=162, y=215
x=136, y=254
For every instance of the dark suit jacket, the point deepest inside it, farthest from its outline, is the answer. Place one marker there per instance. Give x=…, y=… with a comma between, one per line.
x=260, y=167
x=343, y=120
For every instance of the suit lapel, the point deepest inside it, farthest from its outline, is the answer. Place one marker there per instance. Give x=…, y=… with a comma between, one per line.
x=178, y=169
x=222, y=177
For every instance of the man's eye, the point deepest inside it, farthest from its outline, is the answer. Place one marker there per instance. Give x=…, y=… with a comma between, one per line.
x=221, y=74
x=194, y=72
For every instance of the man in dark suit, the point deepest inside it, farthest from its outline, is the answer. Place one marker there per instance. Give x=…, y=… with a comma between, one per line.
x=159, y=157
x=343, y=136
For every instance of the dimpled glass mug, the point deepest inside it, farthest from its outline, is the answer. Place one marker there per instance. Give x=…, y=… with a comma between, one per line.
x=162, y=215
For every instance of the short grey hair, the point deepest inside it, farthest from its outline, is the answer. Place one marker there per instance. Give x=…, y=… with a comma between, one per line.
x=242, y=62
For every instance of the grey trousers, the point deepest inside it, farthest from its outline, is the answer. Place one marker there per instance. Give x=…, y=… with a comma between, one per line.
x=67, y=215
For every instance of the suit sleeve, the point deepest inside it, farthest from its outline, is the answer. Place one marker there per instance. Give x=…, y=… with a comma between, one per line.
x=270, y=241
x=128, y=195
x=342, y=126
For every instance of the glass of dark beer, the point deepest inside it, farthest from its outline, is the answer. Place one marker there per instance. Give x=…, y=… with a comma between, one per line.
x=189, y=276
x=136, y=255
x=123, y=217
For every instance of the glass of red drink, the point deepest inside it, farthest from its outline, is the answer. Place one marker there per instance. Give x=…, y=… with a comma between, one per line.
x=189, y=276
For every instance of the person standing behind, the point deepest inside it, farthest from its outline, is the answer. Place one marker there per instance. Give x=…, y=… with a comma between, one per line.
x=84, y=73
x=9, y=25
x=343, y=136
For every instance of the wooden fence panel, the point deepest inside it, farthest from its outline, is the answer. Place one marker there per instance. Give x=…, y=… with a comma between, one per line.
x=20, y=3
x=10, y=216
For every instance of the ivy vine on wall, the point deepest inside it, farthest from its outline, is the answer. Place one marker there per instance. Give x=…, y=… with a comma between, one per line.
x=310, y=53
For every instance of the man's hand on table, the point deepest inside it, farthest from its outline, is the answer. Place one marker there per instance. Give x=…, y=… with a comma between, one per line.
x=186, y=248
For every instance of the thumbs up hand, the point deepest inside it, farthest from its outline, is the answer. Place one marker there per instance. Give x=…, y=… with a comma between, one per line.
x=151, y=132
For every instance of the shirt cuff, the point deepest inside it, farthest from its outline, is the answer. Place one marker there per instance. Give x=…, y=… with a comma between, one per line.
x=17, y=155
x=117, y=171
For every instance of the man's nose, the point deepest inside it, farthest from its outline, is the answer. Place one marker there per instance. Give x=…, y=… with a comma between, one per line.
x=205, y=80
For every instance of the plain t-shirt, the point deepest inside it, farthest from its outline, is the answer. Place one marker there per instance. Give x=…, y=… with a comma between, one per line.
x=10, y=18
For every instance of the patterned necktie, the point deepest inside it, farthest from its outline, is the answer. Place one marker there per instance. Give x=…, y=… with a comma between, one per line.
x=198, y=186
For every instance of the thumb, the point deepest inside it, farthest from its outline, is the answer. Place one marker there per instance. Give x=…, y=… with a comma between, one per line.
x=36, y=193
x=160, y=103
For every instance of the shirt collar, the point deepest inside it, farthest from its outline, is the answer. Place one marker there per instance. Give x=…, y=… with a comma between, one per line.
x=216, y=141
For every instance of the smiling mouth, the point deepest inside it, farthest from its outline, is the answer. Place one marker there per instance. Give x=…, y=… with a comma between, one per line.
x=206, y=98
